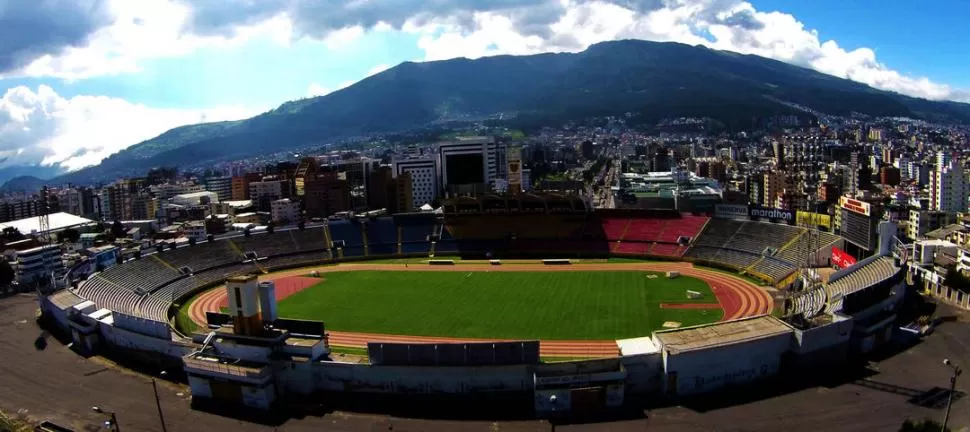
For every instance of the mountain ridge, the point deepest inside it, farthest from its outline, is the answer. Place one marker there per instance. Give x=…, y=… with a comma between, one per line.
x=655, y=79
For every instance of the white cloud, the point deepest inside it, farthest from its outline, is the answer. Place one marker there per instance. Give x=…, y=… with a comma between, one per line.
x=316, y=90
x=378, y=69
x=456, y=28
x=142, y=30
x=733, y=25
x=43, y=127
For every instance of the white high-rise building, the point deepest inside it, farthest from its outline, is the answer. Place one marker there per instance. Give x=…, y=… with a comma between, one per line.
x=949, y=191
x=424, y=179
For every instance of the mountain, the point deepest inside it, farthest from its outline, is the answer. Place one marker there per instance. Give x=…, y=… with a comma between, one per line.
x=654, y=79
x=23, y=184
x=39, y=171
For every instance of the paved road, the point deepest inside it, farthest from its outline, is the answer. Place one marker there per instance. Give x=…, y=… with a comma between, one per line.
x=54, y=383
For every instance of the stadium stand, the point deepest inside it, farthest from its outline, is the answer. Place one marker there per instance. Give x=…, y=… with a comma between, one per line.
x=141, y=275
x=858, y=286
x=201, y=256
x=381, y=236
x=348, y=232
x=799, y=251
x=731, y=258
x=109, y=295
x=809, y=303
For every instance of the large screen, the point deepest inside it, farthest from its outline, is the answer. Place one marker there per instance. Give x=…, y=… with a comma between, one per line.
x=858, y=229
x=465, y=169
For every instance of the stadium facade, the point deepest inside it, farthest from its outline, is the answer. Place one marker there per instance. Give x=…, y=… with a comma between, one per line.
x=252, y=357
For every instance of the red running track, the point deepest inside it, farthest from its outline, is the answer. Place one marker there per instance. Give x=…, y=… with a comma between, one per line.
x=737, y=297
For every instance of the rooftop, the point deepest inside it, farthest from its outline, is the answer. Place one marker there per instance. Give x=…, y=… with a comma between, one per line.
x=942, y=233
x=64, y=299
x=57, y=222
x=636, y=346
x=720, y=334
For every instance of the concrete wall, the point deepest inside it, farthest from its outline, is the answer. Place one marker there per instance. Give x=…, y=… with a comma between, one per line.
x=128, y=340
x=141, y=325
x=58, y=317
x=200, y=387
x=334, y=376
x=821, y=337
x=710, y=369
x=644, y=373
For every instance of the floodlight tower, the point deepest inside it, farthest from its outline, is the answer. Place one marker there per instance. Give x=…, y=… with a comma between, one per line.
x=44, y=218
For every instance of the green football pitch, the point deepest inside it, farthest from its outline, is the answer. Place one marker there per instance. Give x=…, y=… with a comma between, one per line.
x=575, y=305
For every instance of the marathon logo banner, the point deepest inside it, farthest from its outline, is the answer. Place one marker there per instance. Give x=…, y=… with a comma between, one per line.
x=731, y=211
x=773, y=214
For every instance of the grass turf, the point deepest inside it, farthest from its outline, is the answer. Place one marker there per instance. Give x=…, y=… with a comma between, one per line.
x=508, y=305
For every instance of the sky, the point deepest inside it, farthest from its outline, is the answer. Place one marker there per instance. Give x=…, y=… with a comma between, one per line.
x=82, y=79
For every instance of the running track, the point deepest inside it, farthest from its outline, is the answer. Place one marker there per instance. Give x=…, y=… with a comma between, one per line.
x=738, y=297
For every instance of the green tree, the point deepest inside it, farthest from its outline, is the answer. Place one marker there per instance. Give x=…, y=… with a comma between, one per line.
x=925, y=425
x=6, y=273
x=69, y=235
x=117, y=229
x=11, y=234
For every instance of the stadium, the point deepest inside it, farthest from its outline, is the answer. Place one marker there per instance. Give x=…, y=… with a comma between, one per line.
x=529, y=295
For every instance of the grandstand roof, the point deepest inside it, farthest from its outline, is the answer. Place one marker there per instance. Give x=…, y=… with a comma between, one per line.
x=58, y=221
x=862, y=276
x=720, y=334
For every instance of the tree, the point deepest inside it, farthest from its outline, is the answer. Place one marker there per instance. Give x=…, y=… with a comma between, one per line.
x=11, y=234
x=69, y=235
x=925, y=425
x=117, y=229
x=6, y=273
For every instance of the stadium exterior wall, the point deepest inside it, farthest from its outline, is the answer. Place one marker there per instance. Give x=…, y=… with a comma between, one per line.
x=706, y=370
x=335, y=376
x=825, y=345
x=126, y=340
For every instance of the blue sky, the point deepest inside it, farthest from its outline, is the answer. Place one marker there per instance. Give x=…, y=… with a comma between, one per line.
x=917, y=38
x=81, y=79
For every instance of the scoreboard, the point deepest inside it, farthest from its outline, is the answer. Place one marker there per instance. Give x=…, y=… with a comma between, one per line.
x=858, y=225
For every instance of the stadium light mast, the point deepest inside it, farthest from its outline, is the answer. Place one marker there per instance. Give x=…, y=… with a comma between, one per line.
x=44, y=218
x=953, y=387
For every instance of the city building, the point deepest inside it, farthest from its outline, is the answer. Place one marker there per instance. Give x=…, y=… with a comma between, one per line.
x=222, y=186
x=285, y=211
x=38, y=264
x=325, y=195
x=306, y=169
x=889, y=176
x=424, y=179
x=385, y=191
x=468, y=165
x=922, y=222
x=263, y=193
x=144, y=206
x=240, y=188
x=357, y=172
x=949, y=190
x=203, y=198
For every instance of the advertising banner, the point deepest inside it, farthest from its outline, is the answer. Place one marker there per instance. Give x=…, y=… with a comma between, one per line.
x=855, y=206
x=773, y=214
x=731, y=211
x=515, y=169
x=840, y=259
x=812, y=220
